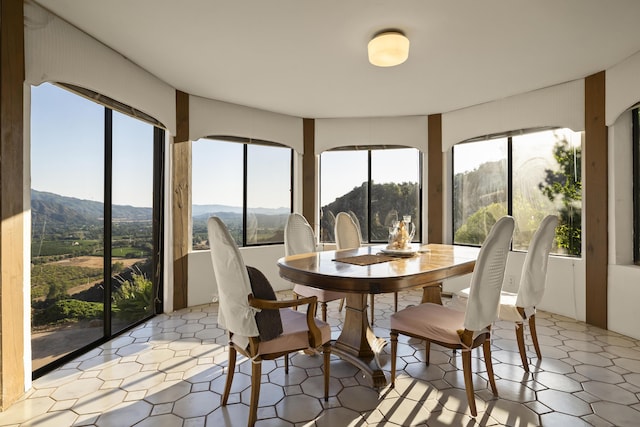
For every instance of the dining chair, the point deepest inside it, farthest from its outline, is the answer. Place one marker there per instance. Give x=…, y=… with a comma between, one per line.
x=299, y=239
x=456, y=329
x=521, y=306
x=258, y=325
x=349, y=236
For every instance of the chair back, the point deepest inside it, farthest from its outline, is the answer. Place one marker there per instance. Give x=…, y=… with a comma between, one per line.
x=356, y=221
x=347, y=232
x=298, y=236
x=488, y=275
x=234, y=312
x=534, y=270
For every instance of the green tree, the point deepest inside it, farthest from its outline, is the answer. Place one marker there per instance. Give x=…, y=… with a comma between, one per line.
x=564, y=185
x=478, y=225
x=399, y=198
x=67, y=311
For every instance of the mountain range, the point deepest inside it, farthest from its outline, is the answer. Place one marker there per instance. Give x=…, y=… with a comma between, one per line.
x=65, y=210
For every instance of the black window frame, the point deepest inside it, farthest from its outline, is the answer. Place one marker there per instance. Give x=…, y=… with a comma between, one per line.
x=509, y=175
x=418, y=234
x=109, y=106
x=246, y=142
x=635, y=120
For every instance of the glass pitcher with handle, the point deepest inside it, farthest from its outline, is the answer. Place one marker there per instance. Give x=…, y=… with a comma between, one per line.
x=401, y=234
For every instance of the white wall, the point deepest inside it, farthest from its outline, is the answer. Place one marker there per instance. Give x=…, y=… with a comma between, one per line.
x=623, y=299
x=564, y=293
x=202, y=285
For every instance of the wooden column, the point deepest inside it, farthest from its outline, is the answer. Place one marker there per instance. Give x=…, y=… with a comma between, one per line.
x=434, y=180
x=309, y=172
x=181, y=204
x=595, y=179
x=12, y=246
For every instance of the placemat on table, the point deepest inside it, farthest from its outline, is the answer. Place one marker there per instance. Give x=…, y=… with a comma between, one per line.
x=365, y=259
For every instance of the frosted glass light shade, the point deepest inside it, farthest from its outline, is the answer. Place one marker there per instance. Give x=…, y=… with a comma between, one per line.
x=388, y=49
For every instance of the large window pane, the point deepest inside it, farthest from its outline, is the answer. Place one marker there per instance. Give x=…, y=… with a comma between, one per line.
x=546, y=181
x=132, y=226
x=375, y=186
x=395, y=190
x=479, y=188
x=217, y=183
x=268, y=193
x=246, y=185
x=85, y=156
x=67, y=219
x=344, y=180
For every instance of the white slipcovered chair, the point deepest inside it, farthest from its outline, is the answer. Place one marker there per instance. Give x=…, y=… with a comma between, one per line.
x=299, y=239
x=347, y=232
x=260, y=329
x=349, y=236
x=521, y=306
x=462, y=330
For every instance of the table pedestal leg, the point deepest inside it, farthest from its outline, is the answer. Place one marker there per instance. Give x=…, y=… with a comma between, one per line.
x=357, y=343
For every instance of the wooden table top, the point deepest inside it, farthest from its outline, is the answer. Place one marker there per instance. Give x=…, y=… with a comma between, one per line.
x=432, y=263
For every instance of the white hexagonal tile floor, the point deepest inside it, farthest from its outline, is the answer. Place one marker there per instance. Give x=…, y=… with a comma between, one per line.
x=171, y=371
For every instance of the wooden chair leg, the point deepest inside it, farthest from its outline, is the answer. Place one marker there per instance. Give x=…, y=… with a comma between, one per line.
x=394, y=352
x=534, y=335
x=372, y=304
x=486, y=347
x=296, y=296
x=326, y=353
x=230, y=371
x=341, y=304
x=427, y=352
x=323, y=306
x=395, y=302
x=521, y=347
x=256, y=373
x=286, y=363
x=468, y=382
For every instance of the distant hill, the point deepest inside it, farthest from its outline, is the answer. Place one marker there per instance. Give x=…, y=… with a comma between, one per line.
x=69, y=210
x=387, y=200
x=205, y=211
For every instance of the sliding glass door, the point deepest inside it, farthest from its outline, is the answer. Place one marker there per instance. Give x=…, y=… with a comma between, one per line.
x=96, y=210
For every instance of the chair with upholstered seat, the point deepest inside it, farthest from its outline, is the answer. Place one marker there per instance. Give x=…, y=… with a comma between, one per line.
x=299, y=239
x=349, y=236
x=259, y=326
x=346, y=232
x=462, y=330
x=520, y=307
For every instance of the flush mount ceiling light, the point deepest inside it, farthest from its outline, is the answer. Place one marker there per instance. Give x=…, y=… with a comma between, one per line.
x=388, y=48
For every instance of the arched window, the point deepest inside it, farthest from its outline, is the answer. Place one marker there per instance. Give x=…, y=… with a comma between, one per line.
x=247, y=183
x=528, y=175
x=376, y=184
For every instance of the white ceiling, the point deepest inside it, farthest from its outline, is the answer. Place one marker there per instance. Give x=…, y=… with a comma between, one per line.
x=308, y=58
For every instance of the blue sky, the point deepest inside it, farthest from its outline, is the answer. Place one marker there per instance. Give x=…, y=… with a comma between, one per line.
x=67, y=150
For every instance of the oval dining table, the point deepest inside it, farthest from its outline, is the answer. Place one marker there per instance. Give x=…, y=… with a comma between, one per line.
x=368, y=270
